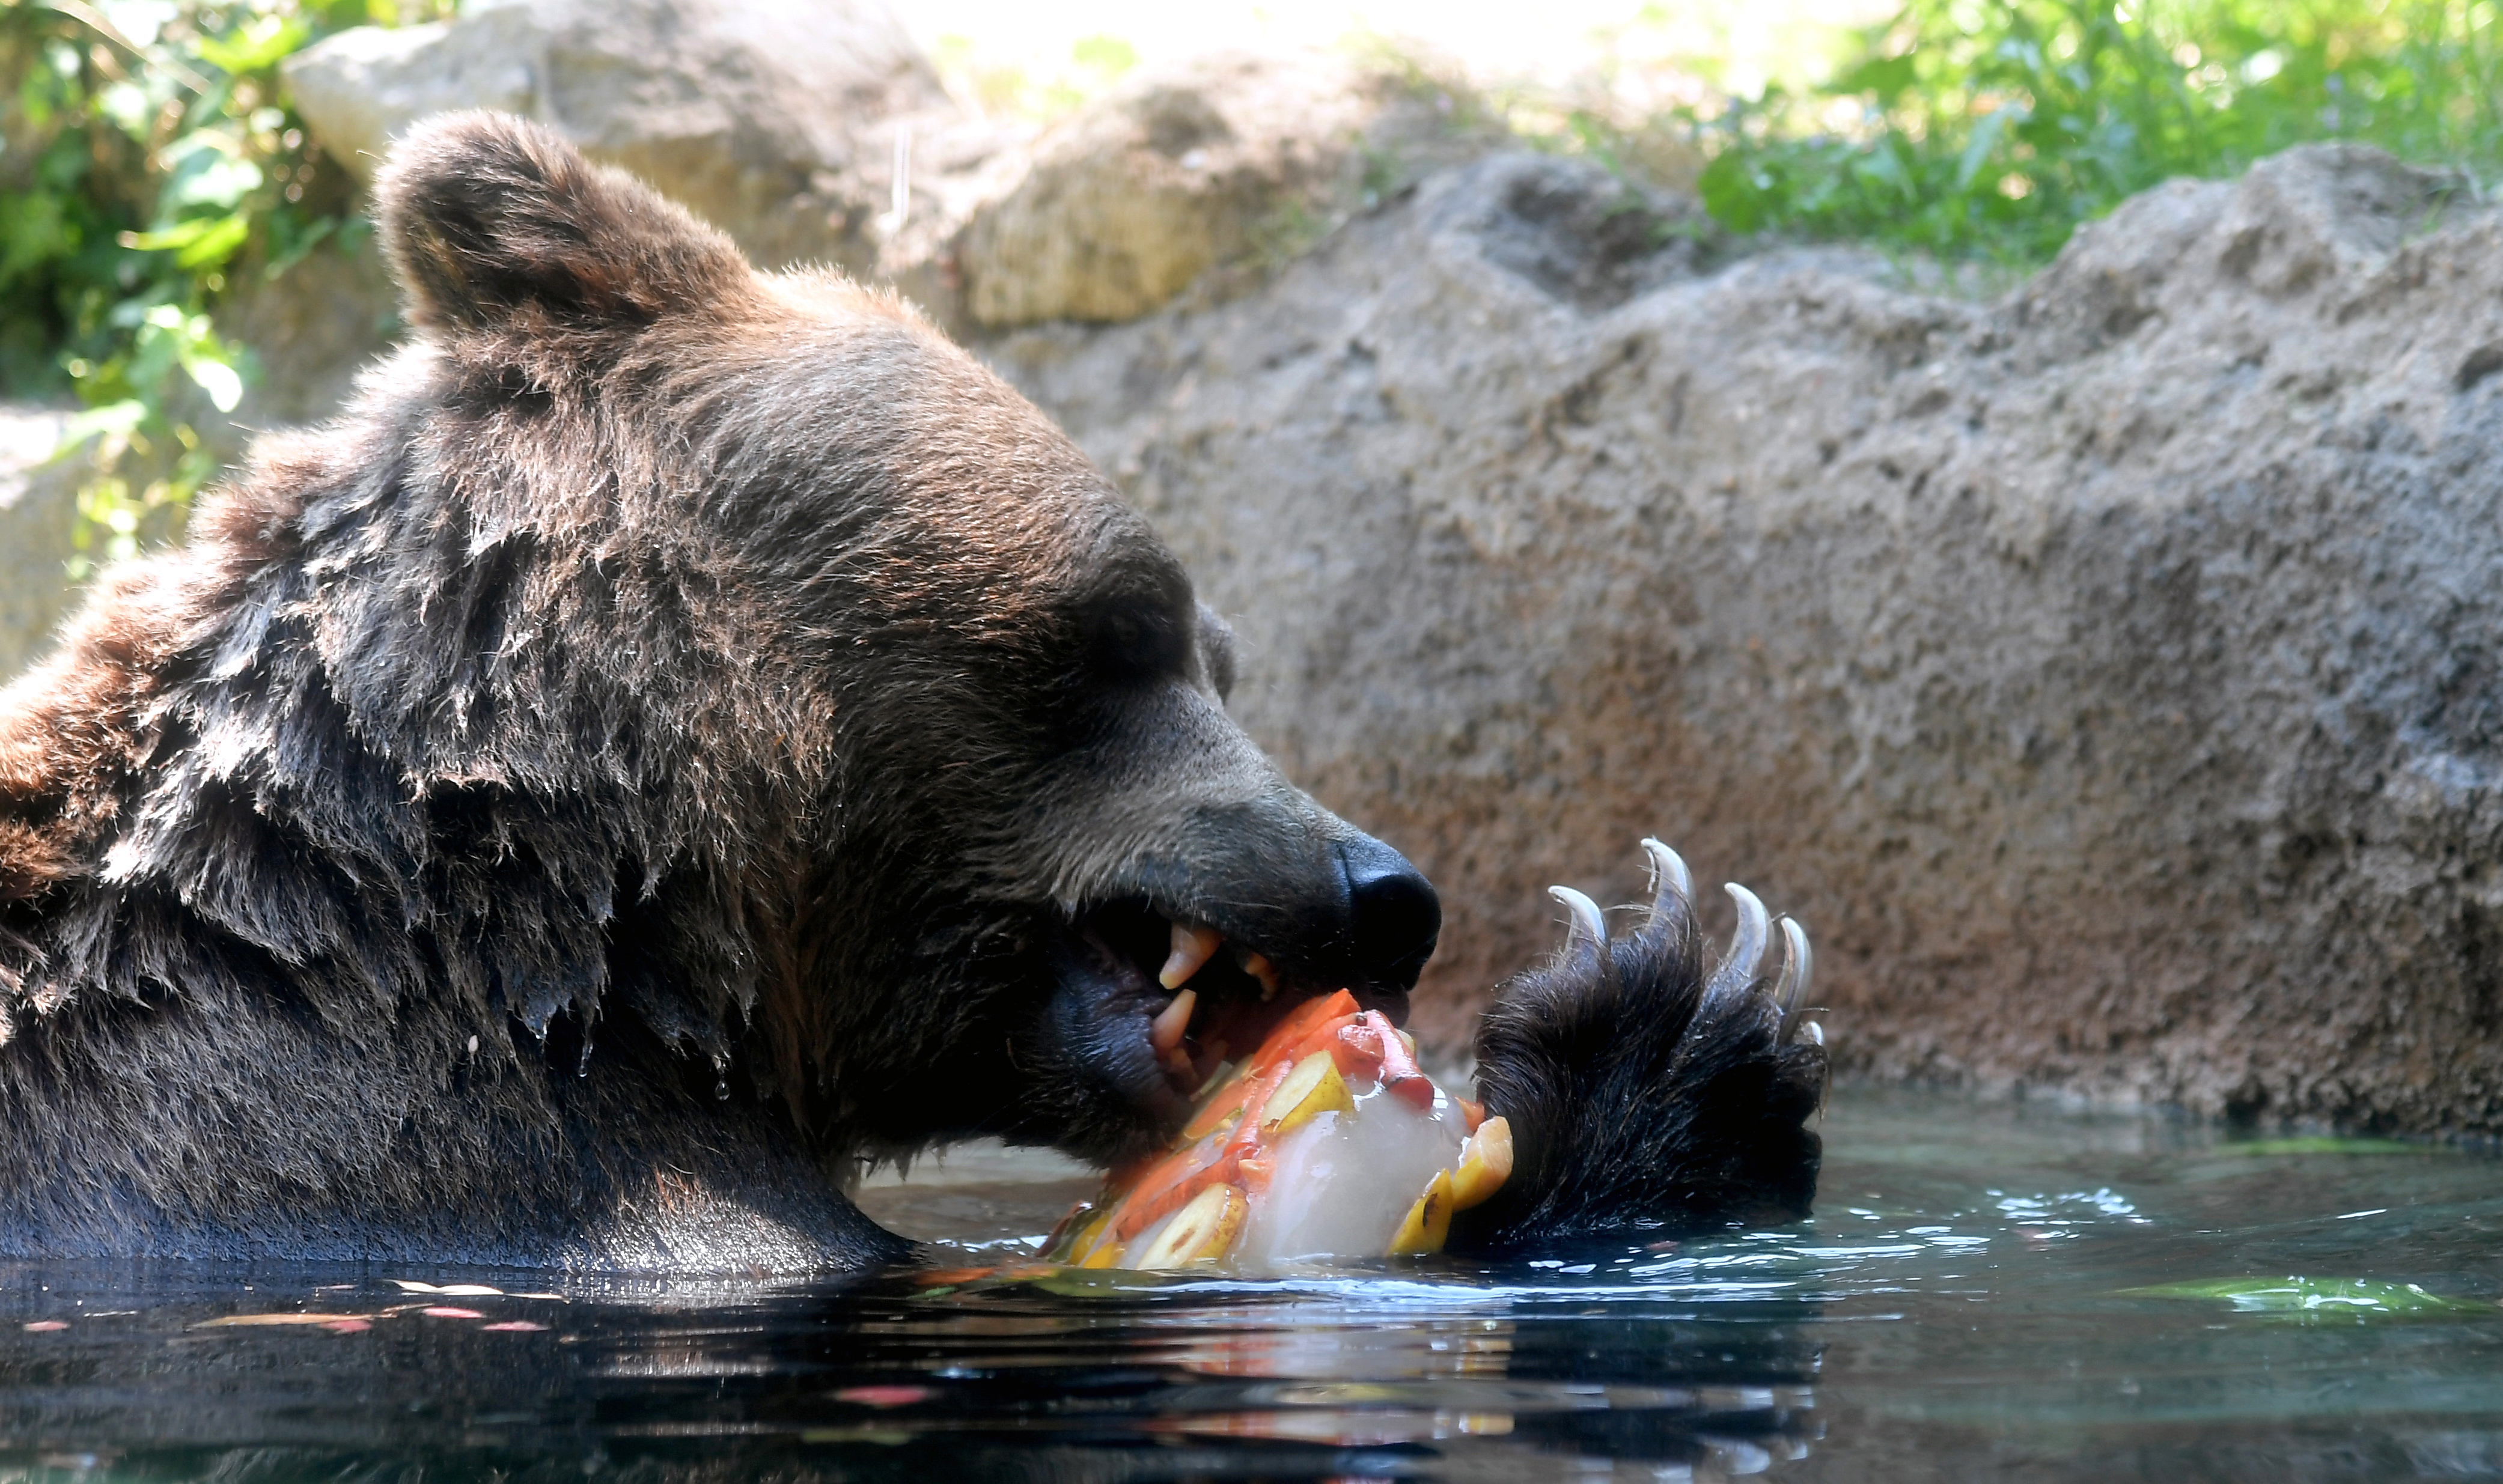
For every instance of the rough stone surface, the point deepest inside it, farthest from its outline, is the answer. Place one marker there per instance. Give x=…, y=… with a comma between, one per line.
x=771, y=121
x=2107, y=675
x=38, y=509
x=1179, y=170
x=311, y=329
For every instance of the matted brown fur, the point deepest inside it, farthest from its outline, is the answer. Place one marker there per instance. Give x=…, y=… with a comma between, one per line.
x=680, y=732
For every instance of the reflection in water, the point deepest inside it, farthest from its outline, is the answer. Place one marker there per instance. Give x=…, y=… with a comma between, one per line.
x=1982, y=1292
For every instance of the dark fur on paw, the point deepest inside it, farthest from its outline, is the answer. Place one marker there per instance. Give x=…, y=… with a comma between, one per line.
x=1643, y=1092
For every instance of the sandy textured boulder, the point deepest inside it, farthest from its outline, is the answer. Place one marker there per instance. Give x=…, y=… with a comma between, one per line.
x=771, y=118
x=1220, y=160
x=2110, y=676
x=38, y=511
x=311, y=329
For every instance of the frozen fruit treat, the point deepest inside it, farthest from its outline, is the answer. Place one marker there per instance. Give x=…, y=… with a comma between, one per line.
x=1327, y=1141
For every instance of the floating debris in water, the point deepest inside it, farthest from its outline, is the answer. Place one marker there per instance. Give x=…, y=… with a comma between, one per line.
x=2318, y=1298
x=263, y=1321
x=2273, y=1148
x=885, y=1396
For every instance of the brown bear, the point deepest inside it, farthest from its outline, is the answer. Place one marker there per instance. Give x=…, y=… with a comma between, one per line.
x=682, y=731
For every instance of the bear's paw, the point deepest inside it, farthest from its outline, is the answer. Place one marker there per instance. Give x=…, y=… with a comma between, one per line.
x=1646, y=1093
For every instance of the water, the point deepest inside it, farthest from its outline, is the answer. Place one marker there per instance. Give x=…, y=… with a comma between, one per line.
x=1962, y=1307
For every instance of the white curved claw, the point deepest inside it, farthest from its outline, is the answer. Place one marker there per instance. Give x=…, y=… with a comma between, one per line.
x=1746, y=954
x=1669, y=877
x=1812, y=1032
x=1587, y=925
x=1796, y=968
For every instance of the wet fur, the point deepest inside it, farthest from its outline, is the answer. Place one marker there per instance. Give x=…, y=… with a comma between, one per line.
x=624, y=771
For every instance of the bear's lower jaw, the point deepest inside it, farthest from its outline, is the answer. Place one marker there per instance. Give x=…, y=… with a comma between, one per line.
x=1134, y=1076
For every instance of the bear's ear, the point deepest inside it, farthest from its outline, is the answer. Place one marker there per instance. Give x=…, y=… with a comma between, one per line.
x=485, y=213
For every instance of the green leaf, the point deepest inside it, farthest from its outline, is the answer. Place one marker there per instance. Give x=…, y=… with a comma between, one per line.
x=199, y=245
x=34, y=230
x=1977, y=152
x=1108, y=56
x=254, y=46
x=295, y=244
x=1732, y=191
x=116, y=420
x=1888, y=76
x=205, y=167
x=218, y=379
x=225, y=237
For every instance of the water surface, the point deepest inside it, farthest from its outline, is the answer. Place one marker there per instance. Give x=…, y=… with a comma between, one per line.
x=1971, y=1301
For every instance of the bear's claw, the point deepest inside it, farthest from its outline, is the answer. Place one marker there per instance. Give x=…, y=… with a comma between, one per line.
x=1797, y=970
x=1672, y=885
x=1644, y=1092
x=1587, y=932
x=1746, y=955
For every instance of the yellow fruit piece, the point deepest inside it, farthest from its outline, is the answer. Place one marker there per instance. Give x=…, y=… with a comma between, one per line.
x=1485, y=1162
x=1200, y=1231
x=1429, y=1220
x=1312, y=1089
x=1080, y=1242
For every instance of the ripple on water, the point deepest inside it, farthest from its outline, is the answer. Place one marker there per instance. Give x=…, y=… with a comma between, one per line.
x=1985, y=1291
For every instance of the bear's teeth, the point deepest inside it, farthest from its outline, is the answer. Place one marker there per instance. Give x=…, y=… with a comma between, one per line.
x=1164, y=1032
x=1192, y=946
x=1259, y=967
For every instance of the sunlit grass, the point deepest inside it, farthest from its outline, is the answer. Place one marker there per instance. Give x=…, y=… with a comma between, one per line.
x=1989, y=130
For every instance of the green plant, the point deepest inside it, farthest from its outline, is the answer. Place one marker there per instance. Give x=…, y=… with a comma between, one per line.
x=1019, y=88
x=151, y=166
x=1991, y=127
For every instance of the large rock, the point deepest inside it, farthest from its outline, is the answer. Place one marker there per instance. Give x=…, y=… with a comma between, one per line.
x=771, y=118
x=38, y=513
x=312, y=329
x=2110, y=676
x=1178, y=171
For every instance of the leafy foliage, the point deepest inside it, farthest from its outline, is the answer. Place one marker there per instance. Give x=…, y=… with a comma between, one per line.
x=150, y=171
x=1991, y=129
x=1032, y=89
x=150, y=167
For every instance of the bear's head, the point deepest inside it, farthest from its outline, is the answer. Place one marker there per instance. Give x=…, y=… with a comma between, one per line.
x=887, y=743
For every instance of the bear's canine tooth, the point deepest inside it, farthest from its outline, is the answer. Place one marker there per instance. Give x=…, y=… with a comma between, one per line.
x=1192, y=946
x=1164, y=1032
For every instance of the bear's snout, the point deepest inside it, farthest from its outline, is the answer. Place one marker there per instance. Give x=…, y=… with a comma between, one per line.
x=1393, y=916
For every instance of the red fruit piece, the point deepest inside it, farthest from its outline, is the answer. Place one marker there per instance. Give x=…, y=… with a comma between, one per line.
x=1306, y=1019
x=1400, y=1074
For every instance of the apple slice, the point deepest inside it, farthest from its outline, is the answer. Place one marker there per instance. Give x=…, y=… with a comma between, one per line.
x=1485, y=1162
x=1200, y=1231
x=1429, y=1221
x=1312, y=1089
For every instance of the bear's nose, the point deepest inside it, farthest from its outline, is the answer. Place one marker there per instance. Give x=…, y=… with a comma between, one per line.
x=1394, y=915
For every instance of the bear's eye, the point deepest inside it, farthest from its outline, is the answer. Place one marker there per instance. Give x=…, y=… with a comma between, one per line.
x=1135, y=641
